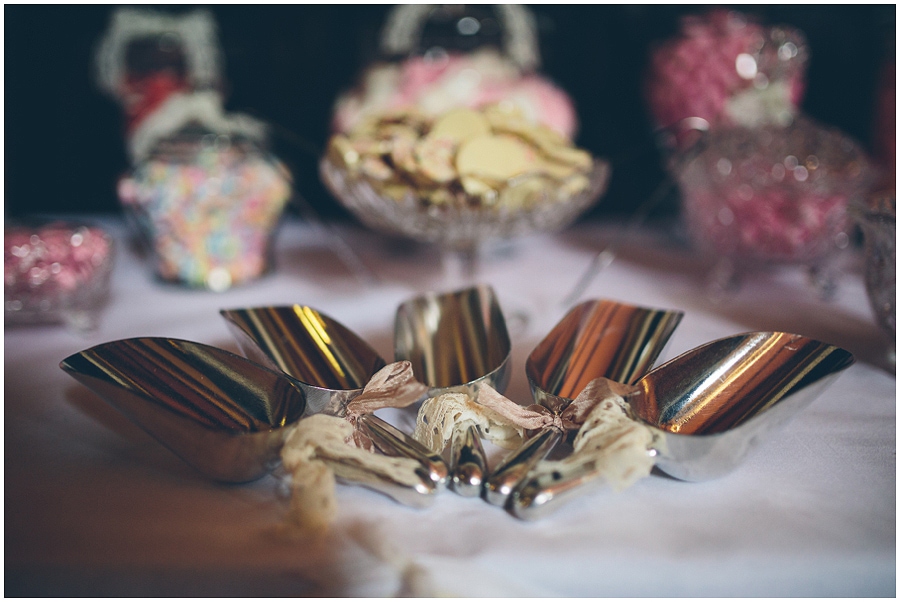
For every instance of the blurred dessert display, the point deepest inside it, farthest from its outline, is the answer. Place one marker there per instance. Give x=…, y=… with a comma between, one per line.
x=433, y=84
x=726, y=70
x=876, y=216
x=208, y=205
x=438, y=57
x=464, y=175
x=147, y=58
x=55, y=272
x=760, y=182
x=459, y=140
x=772, y=193
x=204, y=190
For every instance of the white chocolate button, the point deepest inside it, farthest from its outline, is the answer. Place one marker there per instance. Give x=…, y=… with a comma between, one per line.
x=496, y=158
x=460, y=124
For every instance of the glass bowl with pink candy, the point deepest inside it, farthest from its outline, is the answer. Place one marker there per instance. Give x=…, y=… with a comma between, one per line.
x=772, y=194
x=55, y=272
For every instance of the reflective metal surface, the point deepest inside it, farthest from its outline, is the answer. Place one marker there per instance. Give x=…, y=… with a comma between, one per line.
x=468, y=460
x=714, y=401
x=507, y=475
x=709, y=408
x=595, y=339
x=222, y=414
x=391, y=441
x=456, y=342
x=329, y=361
x=599, y=338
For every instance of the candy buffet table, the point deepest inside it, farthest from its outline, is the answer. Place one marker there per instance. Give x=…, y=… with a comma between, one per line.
x=95, y=507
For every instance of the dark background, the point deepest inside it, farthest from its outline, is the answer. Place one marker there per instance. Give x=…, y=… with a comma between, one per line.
x=64, y=145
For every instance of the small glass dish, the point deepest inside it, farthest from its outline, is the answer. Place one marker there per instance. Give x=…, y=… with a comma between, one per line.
x=773, y=195
x=56, y=272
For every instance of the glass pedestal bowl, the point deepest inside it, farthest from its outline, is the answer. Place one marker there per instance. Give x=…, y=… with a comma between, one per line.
x=464, y=223
x=772, y=195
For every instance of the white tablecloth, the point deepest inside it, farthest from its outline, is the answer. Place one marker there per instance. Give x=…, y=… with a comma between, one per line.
x=94, y=506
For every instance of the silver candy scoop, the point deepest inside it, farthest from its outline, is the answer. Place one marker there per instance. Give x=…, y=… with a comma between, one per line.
x=331, y=364
x=456, y=342
x=709, y=408
x=221, y=413
x=599, y=338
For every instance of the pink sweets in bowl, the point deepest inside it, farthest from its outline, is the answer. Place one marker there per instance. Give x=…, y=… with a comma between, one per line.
x=772, y=194
x=55, y=272
x=726, y=69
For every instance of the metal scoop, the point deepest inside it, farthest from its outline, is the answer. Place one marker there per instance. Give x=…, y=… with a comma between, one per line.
x=221, y=413
x=599, y=338
x=709, y=408
x=330, y=363
x=456, y=342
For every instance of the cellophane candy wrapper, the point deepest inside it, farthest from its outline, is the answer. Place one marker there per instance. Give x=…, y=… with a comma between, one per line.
x=56, y=272
x=726, y=69
x=773, y=194
x=208, y=205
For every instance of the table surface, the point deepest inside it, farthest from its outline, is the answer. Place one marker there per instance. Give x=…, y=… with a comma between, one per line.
x=94, y=506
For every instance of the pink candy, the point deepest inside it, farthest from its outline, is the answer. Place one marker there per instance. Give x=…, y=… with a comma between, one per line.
x=47, y=267
x=772, y=194
x=774, y=226
x=697, y=73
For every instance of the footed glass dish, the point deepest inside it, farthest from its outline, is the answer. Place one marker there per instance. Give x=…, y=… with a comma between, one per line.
x=56, y=272
x=773, y=195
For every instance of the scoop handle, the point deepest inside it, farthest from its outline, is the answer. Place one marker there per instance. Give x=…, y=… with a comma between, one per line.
x=419, y=494
x=541, y=493
x=468, y=462
x=391, y=441
x=510, y=472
